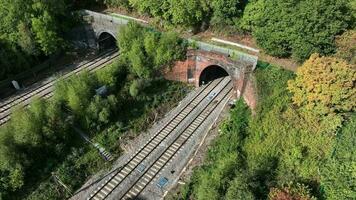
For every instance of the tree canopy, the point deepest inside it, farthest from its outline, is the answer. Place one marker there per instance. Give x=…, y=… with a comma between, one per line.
x=324, y=89
x=297, y=28
x=30, y=30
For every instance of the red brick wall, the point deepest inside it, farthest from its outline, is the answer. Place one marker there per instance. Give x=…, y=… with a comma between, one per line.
x=197, y=61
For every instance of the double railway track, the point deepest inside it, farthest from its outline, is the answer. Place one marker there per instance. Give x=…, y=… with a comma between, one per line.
x=45, y=90
x=174, y=134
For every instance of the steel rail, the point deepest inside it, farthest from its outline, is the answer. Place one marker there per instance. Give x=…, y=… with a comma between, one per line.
x=10, y=100
x=163, y=133
x=159, y=163
x=41, y=91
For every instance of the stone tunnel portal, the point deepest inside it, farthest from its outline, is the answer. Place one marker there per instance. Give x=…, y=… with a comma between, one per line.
x=211, y=73
x=106, y=41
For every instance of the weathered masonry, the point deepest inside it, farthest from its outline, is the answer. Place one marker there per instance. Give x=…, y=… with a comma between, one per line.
x=102, y=29
x=202, y=65
x=209, y=62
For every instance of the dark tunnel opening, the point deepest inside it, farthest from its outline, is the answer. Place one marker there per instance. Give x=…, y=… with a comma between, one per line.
x=106, y=41
x=211, y=73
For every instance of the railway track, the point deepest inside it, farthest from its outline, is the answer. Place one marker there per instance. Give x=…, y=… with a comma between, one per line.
x=199, y=108
x=46, y=90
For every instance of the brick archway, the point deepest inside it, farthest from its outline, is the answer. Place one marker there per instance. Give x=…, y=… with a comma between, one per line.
x=212, y=72
x=197, y=61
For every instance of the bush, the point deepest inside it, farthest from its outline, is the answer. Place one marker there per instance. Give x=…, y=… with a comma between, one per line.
x=337, y=173
x=239, y=189
x=291, y=192
x=213, y=180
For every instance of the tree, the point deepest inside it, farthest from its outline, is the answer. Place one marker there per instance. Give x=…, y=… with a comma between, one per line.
x=324, y=86
x=46, y=34
x=169, y=49
x=11, y=169
x=186, y=12
x=297, y=28
x=147, y=51
x=117, y=3
x=139, y=61
x=26, y=40
x=151, y=7
x=226, y=12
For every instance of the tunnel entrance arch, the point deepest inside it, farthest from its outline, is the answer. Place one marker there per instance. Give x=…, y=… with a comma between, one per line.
x=106, y=41
x=211, y=73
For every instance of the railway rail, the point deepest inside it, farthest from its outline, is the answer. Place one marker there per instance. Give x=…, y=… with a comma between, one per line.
x=153, y=170
x=46, y=90
x=199, y=108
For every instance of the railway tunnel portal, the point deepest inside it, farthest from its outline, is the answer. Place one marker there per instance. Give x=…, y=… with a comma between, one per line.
x=106, y=40
x=202, y=67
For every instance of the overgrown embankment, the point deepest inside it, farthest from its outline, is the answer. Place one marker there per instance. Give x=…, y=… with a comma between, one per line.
x=39, y=142
x=298, y=145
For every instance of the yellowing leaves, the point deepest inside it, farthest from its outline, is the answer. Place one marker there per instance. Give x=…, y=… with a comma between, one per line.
x=325, y=85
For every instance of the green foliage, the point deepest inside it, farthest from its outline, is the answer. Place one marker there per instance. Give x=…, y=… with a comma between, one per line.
x=186, y=12
x=170, y=48
x=117, y=3
x=277, y=154
x=11, y=171
x=100, y=111
x=29, y=31
x=147, y=52
x=324, y=90
x=140, y=63
x=346, y=48
x=34, y=135
x=226, y=12
x=297, y=28
x=136, y=87
x=338, y=172
x=112, y=76
x=291, y=191
x=213, y=180
x=239, y=189
x=282, y=28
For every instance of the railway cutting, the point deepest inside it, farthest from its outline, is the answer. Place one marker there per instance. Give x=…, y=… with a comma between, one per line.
x=148, y=171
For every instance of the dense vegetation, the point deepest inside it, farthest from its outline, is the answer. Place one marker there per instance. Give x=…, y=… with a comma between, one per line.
x=40, y=139
x=282, y=28
x=30, y=31
x=299, y=145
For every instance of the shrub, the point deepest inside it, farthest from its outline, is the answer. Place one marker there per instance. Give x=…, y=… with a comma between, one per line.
x=291, y=192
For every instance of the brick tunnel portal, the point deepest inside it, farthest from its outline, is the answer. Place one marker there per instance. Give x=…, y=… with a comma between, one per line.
x=211, y=73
